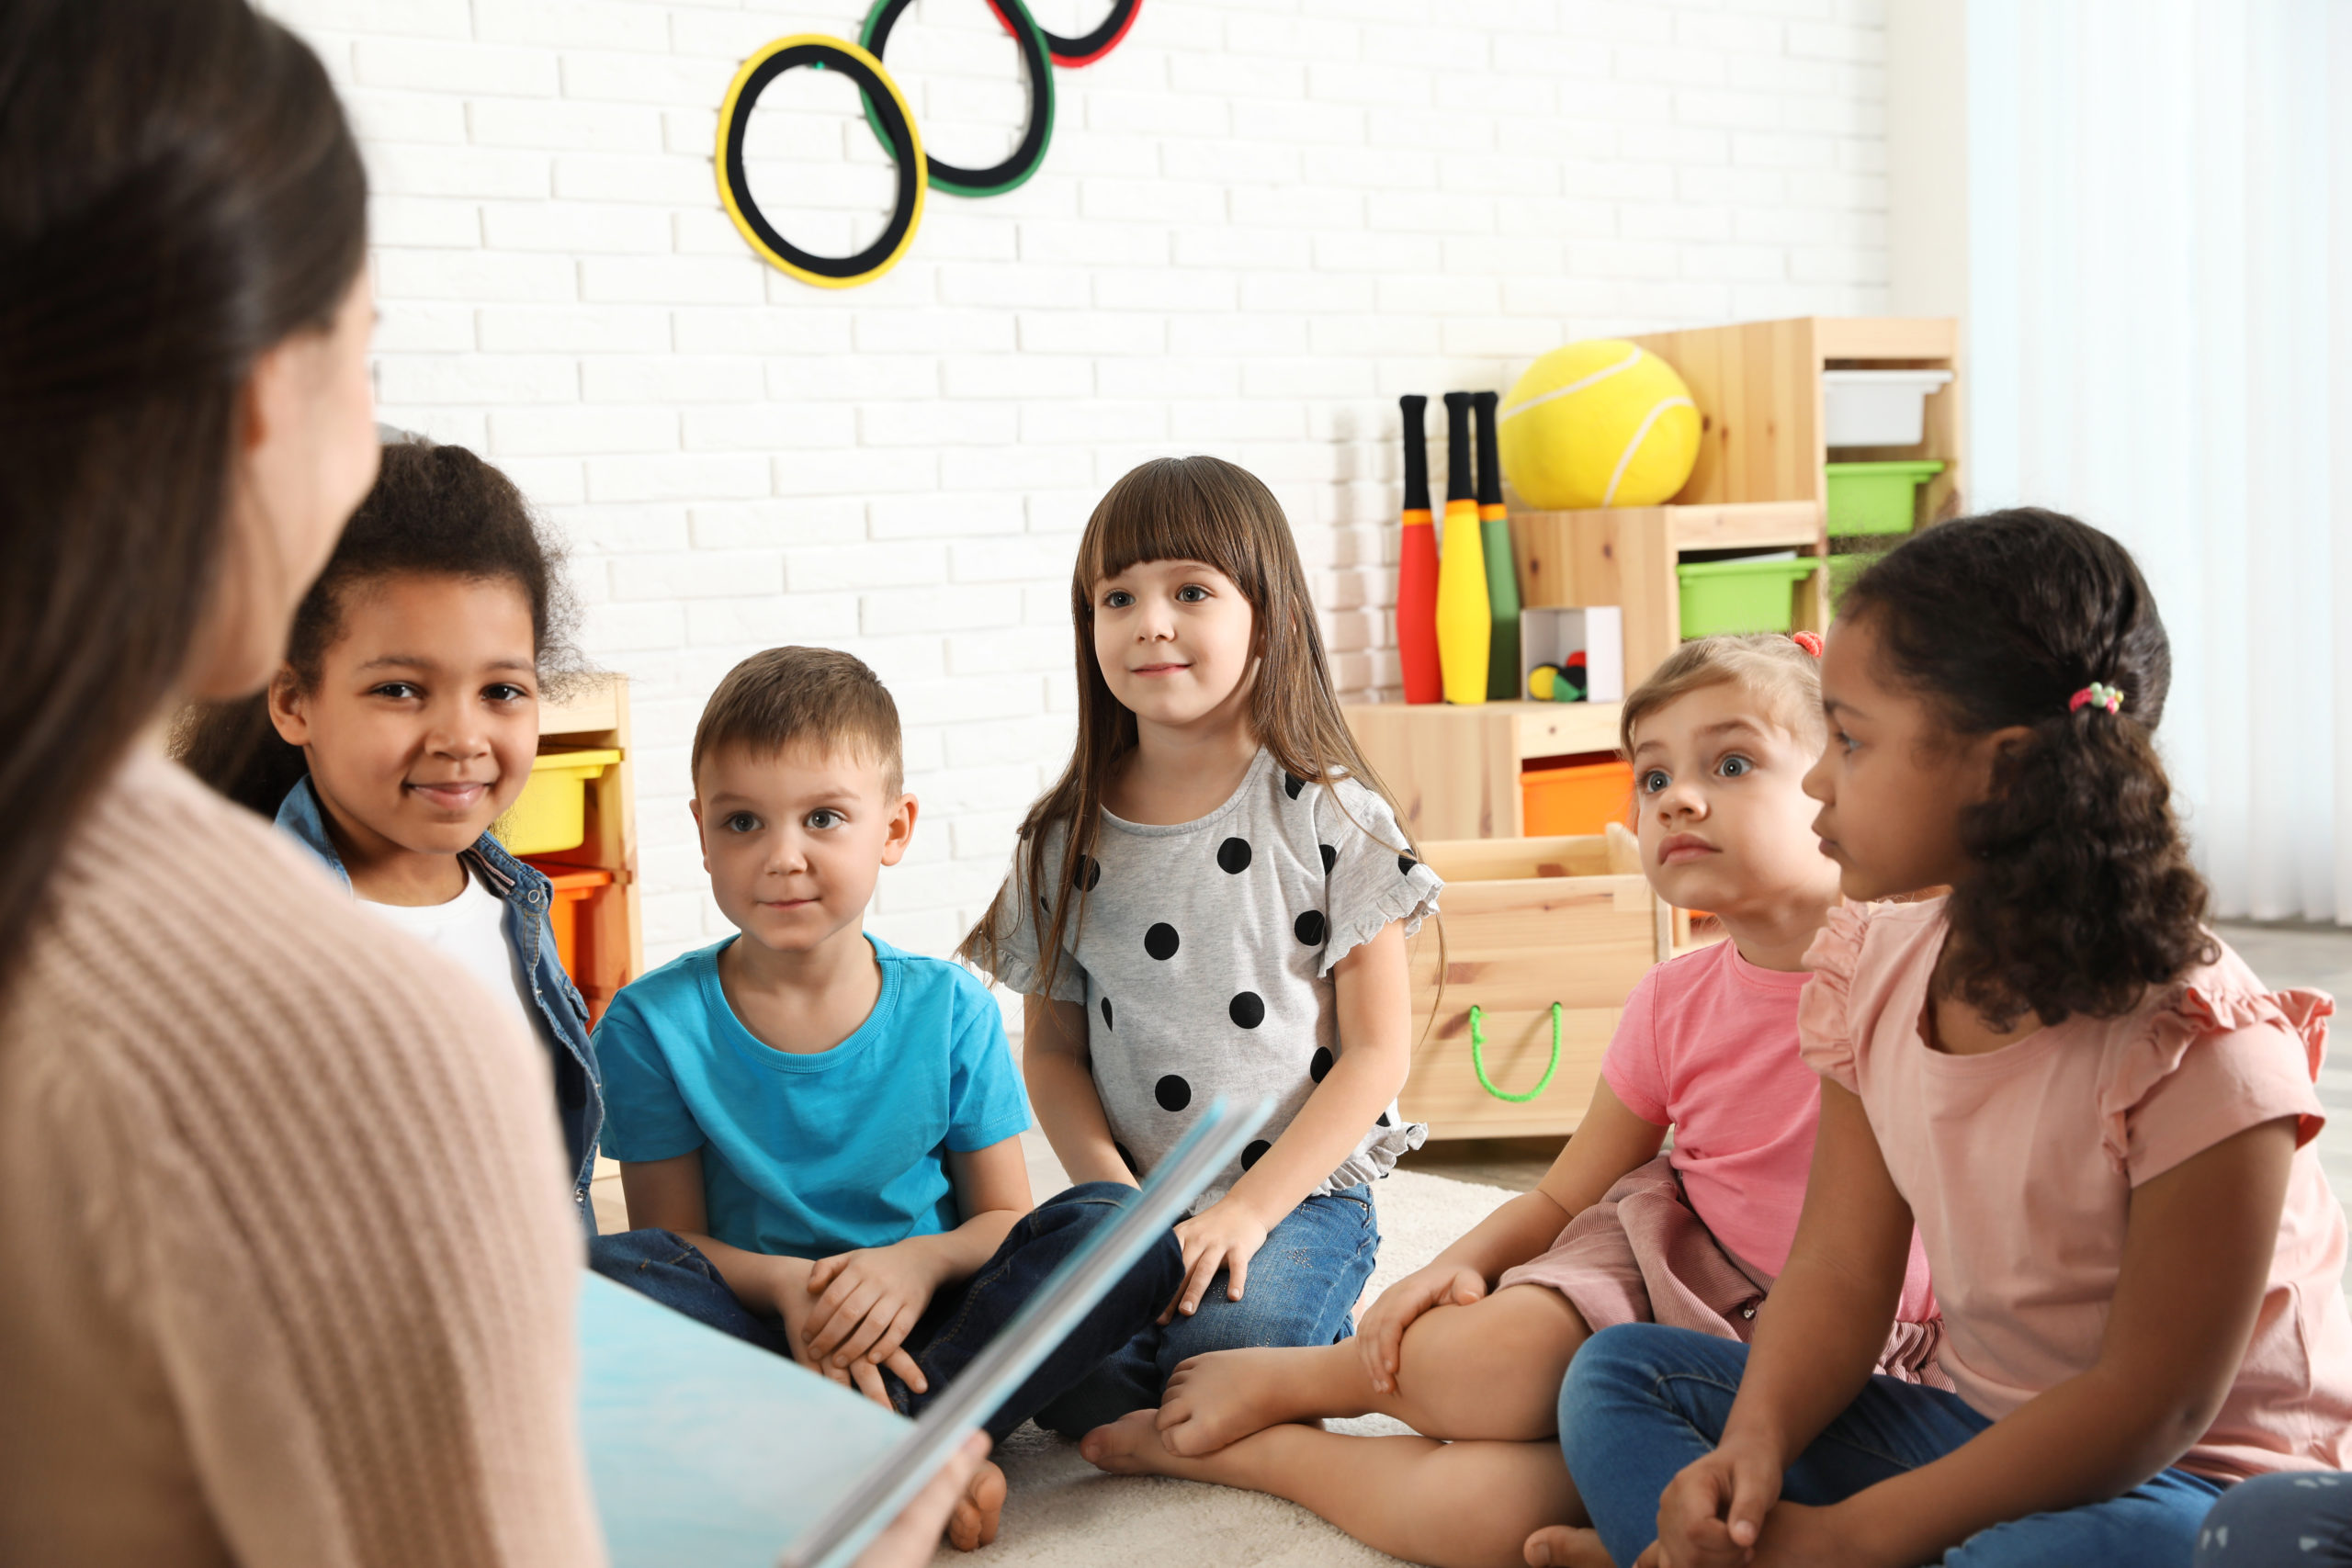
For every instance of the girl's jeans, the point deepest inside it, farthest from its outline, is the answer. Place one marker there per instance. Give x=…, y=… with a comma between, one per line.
x=2278, y=1520
x=1641, y=1402
x=961, y=1319
x=1300, y=1289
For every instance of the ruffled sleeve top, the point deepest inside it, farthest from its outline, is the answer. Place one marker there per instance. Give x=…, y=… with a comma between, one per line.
x=2019, y=1166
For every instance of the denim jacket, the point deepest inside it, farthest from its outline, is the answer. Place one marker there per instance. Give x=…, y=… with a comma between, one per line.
x=563, y=1014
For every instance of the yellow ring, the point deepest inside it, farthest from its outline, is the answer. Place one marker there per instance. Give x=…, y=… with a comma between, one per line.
x=871, y=75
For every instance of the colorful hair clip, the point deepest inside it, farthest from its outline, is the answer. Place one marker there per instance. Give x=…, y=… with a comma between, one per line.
x=1809, y=641
x=2096, y=696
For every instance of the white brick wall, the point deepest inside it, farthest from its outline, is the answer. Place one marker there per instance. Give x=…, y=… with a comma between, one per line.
x=1260, y=221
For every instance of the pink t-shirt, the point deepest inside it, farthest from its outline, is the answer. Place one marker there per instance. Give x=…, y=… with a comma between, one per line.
x=1708, y=1045
x=2019, y=1166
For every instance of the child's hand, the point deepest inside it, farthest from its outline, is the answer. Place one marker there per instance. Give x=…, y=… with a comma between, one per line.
x=1380, y=1336
x=795, y=1304
x=1223, y=1236
x=1713, y=1512
x=863, y=1305
x=798, y=1306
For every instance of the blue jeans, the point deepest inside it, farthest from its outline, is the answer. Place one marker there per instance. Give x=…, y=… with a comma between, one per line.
x=2272, y=1521
x=1641, y=1402
x=961, y=1319
x=1301, y=1289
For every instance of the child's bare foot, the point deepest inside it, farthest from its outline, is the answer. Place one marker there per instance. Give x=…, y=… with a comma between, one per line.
x=1131, y=1445
x=1557, y=1546
x=1215, y=1400
x=979, y=1511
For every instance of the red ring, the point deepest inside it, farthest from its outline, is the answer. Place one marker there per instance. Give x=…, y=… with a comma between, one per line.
x=1088, y=47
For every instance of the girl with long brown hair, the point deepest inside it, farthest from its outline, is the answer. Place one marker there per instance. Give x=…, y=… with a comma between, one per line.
x=1213, y=900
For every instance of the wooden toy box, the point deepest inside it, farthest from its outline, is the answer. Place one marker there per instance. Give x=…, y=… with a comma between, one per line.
x=1528, y=923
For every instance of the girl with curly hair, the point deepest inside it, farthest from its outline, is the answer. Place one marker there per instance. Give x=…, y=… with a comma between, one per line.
x=2098, y=1118
x=404, y=722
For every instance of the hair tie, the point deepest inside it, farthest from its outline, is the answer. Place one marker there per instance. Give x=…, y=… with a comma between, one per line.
x=2096, y=696
x=1809, y=641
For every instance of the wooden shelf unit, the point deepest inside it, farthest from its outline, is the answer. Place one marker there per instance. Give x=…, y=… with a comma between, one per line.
x=1454, y=772
x=595, y=714
x=1759, y=482
x=1626, y=555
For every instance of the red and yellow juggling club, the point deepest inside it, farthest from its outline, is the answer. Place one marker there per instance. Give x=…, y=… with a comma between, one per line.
x=1502, y=574
x=1416, y=566
x=1465, y=619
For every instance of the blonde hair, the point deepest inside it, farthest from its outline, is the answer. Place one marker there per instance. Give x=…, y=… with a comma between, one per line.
x=1776, y=668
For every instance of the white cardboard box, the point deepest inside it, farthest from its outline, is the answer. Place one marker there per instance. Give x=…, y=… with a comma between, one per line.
x=1549, y=635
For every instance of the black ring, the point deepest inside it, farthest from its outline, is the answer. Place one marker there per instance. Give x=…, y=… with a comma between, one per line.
x=884, y=106
x=1025, y=159
x=1088, y=47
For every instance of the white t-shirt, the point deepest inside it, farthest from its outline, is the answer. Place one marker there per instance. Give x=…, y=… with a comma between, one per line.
x=472, y=929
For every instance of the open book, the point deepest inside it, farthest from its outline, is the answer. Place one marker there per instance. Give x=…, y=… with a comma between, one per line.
x=703, y=1449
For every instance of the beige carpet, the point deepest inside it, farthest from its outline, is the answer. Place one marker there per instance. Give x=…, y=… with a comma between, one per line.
x=1063, y=1512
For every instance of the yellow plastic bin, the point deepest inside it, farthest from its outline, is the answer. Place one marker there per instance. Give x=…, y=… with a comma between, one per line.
x=1583, y=797
x=551, y=814
x=1741, y=595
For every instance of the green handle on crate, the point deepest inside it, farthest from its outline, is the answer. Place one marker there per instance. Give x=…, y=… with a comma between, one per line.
x=1478, y=1058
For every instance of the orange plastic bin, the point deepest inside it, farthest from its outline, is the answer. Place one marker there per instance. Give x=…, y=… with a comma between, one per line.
x=1582, y=799
x=572, y=886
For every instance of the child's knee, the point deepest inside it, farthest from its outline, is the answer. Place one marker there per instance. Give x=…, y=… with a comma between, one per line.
x=1089, y=1195
x=1075, y=1213
x=626, y=1253
x=2267, y=1519
x=1611, y=1364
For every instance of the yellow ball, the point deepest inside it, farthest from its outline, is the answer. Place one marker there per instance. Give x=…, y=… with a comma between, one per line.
x=1603, y=422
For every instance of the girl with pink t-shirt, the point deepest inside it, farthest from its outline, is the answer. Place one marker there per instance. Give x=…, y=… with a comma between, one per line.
x=1470, y=1350
x=2098, y=1117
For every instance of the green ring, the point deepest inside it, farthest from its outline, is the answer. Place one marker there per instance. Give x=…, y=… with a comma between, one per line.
x=1478, y=1061
x=1036, y=59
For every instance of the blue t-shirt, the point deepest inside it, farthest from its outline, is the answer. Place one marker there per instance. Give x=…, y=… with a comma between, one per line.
x=807, y=1156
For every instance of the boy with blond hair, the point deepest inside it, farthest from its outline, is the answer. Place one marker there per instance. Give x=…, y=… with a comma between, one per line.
x=819, y=1134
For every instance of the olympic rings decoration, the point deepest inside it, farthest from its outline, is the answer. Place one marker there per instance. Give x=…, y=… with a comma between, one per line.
x=894, y=126
x=895, y=123
x=1025, y=160
x=1088, y=47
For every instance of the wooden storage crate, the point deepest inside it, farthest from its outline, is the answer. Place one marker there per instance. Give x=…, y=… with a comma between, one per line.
x=1527, y=922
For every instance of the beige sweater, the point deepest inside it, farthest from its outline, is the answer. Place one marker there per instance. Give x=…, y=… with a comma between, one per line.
x=286, y=1271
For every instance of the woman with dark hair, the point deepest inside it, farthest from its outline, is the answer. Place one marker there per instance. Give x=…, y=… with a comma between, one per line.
x=295, y=1268
x=295, y=1271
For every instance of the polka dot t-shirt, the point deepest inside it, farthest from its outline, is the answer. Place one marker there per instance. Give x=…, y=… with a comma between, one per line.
x=1204, y=962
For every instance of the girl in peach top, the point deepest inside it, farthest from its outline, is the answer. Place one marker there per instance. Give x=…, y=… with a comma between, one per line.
x=2098, y=1117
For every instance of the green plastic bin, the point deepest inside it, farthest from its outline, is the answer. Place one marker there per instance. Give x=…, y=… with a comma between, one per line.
x=1876, y=498
x=1741, y=595
x=1843, y=569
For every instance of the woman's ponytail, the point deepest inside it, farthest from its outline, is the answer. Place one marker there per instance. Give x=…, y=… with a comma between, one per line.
x=2084, y=895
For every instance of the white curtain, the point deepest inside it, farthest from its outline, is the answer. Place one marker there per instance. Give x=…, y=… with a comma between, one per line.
x=2160, y=341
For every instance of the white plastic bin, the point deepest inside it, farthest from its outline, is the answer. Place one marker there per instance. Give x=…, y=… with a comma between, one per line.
x=1878, y=407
